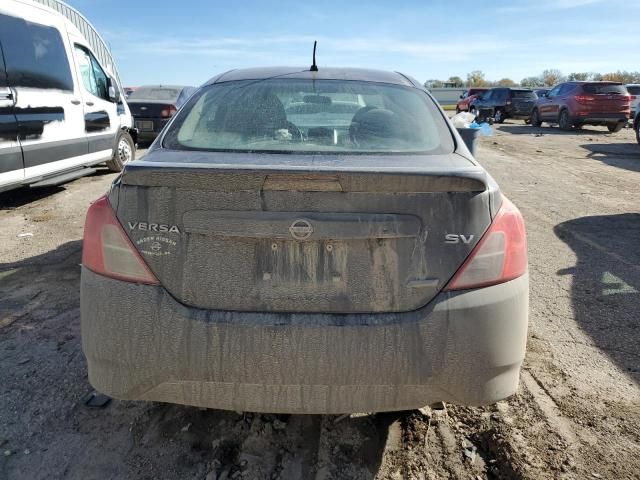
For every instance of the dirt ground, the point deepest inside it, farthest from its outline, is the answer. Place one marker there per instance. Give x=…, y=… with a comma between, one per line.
x=576, y=415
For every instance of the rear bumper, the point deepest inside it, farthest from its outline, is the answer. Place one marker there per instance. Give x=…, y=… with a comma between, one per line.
x=149, y=134
x=464, y=347
x=601, y=118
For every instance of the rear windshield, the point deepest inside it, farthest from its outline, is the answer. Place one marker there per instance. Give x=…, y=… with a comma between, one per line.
x=150, y=93
x=605, y=88
x=304, y=116
x=634, y=89
x=523, y=94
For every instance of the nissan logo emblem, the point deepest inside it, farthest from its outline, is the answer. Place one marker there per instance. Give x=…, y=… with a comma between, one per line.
x=301, y=229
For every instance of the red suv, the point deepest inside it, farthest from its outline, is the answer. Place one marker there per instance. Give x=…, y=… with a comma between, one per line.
x=467, y=97
x=573, y=104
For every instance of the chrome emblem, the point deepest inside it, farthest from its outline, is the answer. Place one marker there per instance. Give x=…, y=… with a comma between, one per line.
x=301, y=229
x=143, y=108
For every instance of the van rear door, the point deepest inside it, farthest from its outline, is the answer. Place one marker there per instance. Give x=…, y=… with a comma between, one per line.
x=11, y=166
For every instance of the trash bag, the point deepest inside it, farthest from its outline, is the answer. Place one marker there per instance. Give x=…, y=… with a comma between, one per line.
x=485, y=128
x=462, y=119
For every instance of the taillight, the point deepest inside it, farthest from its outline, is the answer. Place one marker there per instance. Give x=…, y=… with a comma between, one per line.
x=169, y=111
x=107, y=250
x=499, y=256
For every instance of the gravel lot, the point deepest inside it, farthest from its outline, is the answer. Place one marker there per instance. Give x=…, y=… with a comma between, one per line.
x=576, y=416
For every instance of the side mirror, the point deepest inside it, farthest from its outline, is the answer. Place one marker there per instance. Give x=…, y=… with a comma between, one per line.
x=113, y=91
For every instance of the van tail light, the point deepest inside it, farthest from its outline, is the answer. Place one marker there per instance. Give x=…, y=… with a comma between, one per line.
x=169, y=111
x=108, y=251
x=499, y=256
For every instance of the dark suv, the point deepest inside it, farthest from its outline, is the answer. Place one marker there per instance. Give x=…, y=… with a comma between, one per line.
x=573, y=104
x=502, y=103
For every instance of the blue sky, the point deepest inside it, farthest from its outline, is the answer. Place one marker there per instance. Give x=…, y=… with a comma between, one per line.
x=189, y=41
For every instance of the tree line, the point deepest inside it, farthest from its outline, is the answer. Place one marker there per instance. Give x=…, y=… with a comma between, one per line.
x=547, y=78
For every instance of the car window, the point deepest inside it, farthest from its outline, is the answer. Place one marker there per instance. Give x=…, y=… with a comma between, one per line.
x=304, y=116
x=523, y=94
x=35, y=55
x=93, y=77
x=604, y=89
x=566, y=89
x=502, y=94
x=488, y=95
x=554, y=91
x=156, y=94
x=633, y=89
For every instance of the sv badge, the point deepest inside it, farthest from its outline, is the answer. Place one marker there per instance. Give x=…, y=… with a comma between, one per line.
x=455, y=238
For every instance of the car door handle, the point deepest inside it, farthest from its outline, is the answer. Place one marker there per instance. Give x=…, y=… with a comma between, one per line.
x=76, y=102
x=90, y=104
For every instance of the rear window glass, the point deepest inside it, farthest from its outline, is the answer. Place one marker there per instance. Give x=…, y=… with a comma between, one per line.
x=304, y=116
x=150, y=93
x=634, y=90
x=523, y=94
x=604, y=88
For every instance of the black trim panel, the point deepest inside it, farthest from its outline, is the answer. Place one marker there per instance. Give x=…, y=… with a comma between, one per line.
x=8, y=125
x=96, y=121
x=97, y=143
x=48, y=152
x=31, y=120
x=10, y=159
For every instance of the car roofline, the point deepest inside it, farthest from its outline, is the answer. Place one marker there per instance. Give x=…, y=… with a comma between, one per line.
x=326, y=73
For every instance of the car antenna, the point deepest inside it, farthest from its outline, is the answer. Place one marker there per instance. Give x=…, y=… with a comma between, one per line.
x=314, y=67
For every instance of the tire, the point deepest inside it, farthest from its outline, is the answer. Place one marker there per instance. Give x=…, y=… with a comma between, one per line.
x=499, y=116
x=615, y=127
x=535, y=119
x=564, y=122
x=123, y=153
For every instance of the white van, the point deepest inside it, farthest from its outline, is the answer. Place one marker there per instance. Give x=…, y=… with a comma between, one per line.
x=61, y=111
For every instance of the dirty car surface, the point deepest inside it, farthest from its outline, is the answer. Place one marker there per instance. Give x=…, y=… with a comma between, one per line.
x=306, y=242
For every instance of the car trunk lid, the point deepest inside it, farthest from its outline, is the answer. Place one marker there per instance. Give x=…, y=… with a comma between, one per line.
x=251, y=232
x=149, y=109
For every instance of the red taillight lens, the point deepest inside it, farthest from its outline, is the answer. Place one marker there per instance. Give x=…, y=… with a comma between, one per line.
x=500, y=256
x=169, y=111
x=107, y=250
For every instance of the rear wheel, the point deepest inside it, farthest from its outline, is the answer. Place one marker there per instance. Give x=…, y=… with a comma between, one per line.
x=615, y=127
x=535, y=119
x=124, y=152
x=499, y=116
x=564, y=122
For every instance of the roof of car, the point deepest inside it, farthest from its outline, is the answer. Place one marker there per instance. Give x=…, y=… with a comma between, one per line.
x=173, y=87
x=323, y=73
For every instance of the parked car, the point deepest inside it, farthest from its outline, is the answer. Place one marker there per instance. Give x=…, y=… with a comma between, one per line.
x=153, y=105
x=501, y=103
x=634, y=92
x=574, y=104
x=61, y=112
x=541, y=92
x=467, y=97
x=323, y=260
x=636, y=125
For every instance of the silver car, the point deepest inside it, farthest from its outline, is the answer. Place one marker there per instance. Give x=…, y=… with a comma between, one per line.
x=306, y=242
